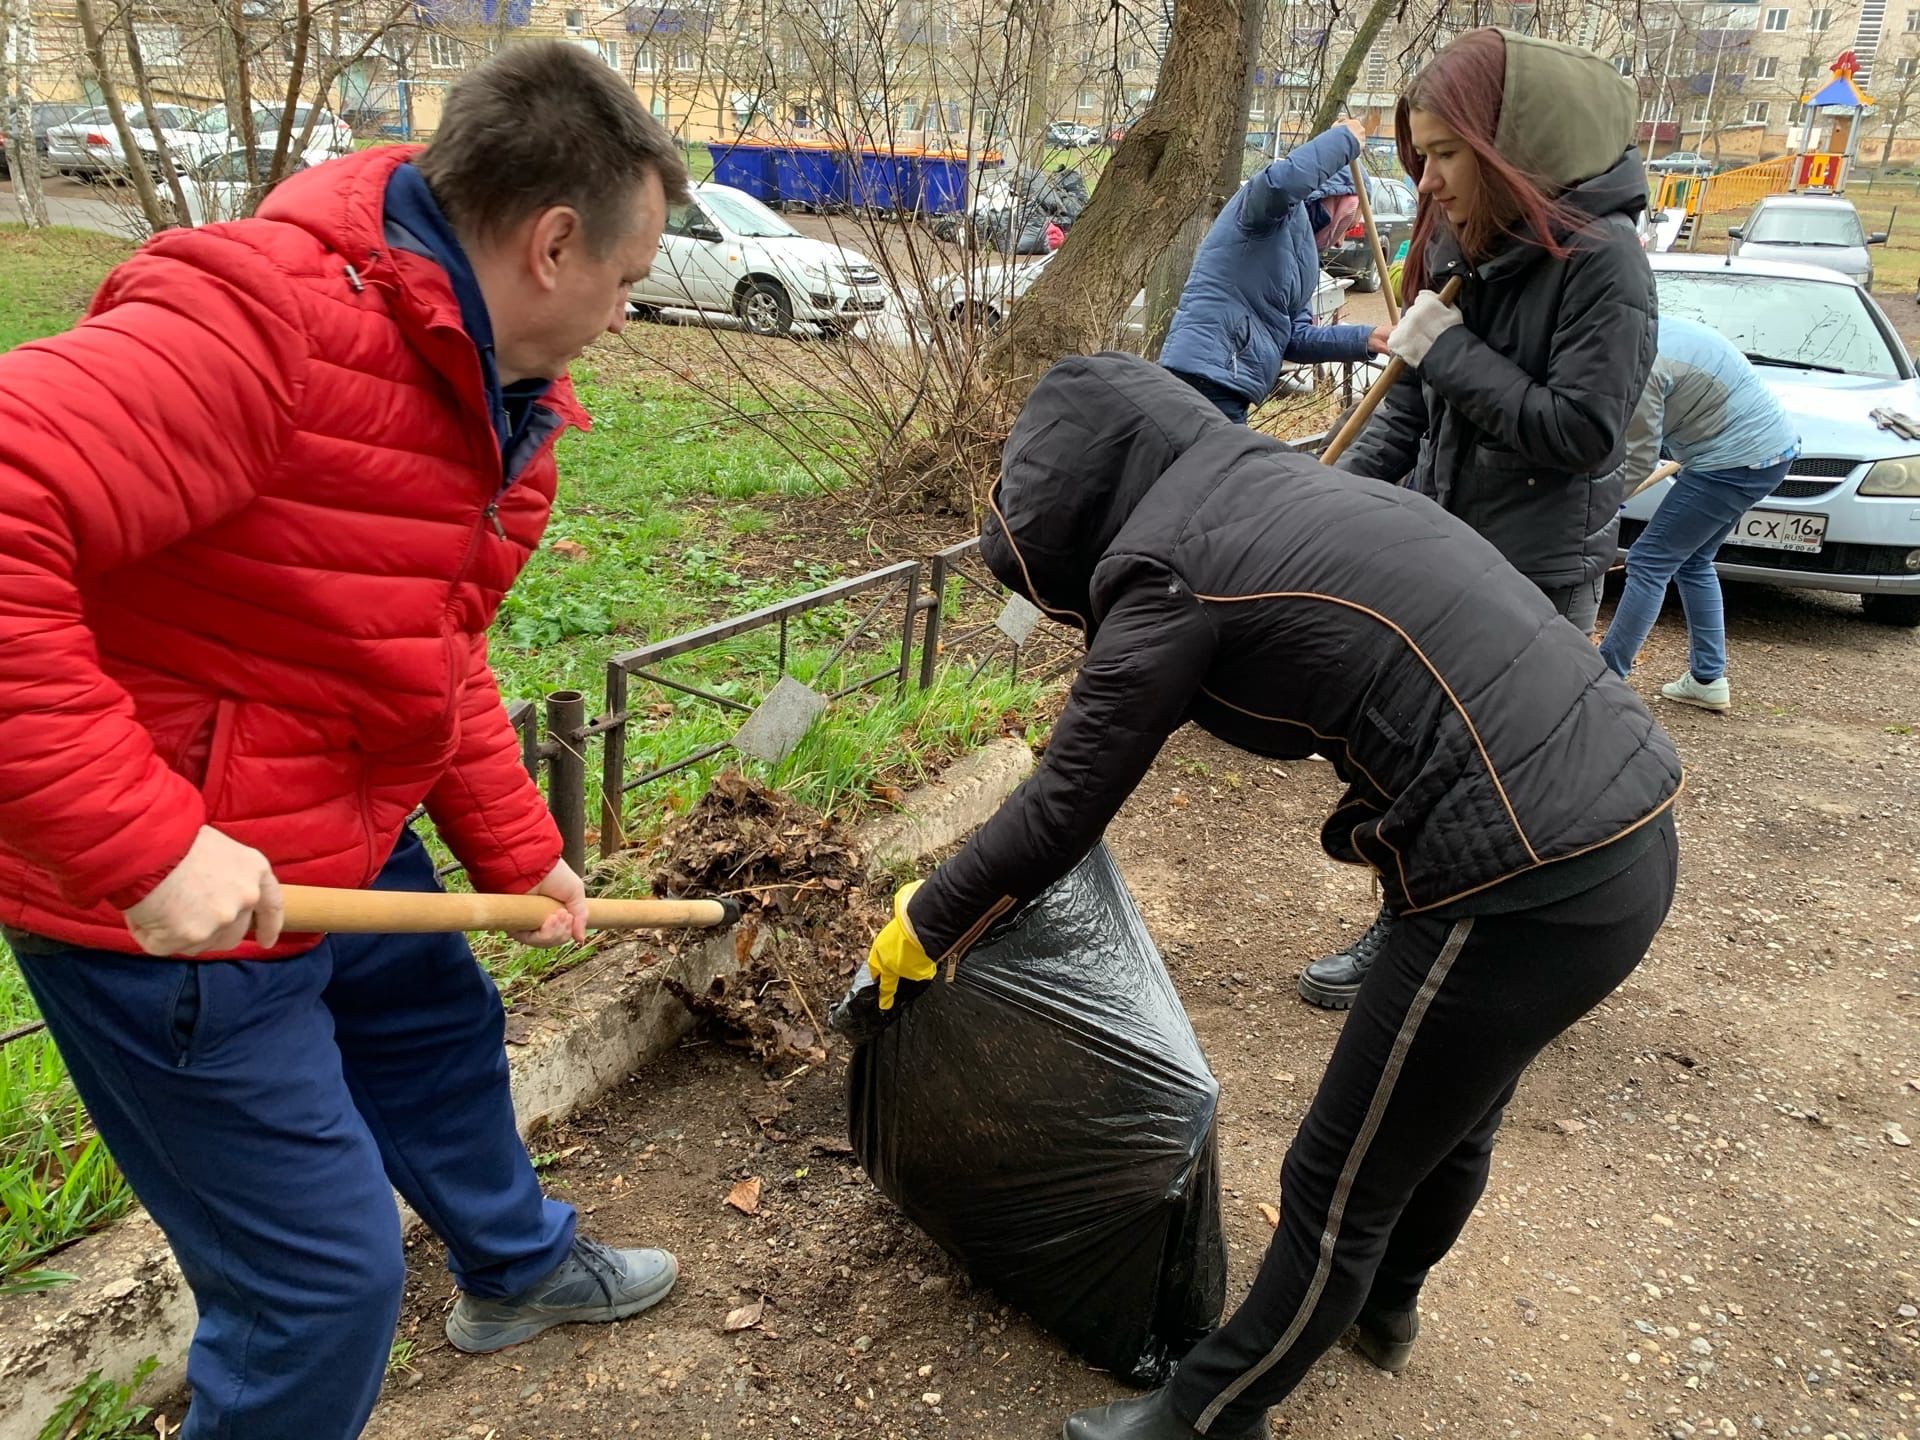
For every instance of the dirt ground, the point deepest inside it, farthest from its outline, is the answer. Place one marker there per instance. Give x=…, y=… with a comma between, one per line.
x=1703, y=1218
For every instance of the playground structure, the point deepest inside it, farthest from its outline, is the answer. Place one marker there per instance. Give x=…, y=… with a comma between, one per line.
x=1836, y=107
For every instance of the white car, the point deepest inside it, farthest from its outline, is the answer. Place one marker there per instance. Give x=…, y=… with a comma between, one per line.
x=724, y=252
x=1847, y=517
x=89, y=145
x=211, y=135
x=216, y=188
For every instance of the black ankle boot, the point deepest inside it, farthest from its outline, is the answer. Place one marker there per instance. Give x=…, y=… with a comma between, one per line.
x=1144, y=1417
x=1333, y=980
x=1385, y=1337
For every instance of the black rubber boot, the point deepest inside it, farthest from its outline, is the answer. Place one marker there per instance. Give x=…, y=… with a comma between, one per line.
x=1385, y=1337
x=1144, y=1417
x=1333, y=980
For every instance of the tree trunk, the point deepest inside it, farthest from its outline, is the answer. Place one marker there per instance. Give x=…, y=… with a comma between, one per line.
x=243, y=80
x=1341, y=85
x=137, y=62
x=1158, y=177
x=1893, y=129
x=1030, y=145
x=296, y=77
x=151, y=208
x=1168, y=275
x=16, y=110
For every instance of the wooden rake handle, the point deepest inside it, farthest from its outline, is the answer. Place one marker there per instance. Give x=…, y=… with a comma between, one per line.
x=1373, y=241
x=313, y=910
x=1665, y=471
x=1376, y=392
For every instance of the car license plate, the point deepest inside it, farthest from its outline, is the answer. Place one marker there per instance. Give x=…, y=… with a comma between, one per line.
x=1780, y=530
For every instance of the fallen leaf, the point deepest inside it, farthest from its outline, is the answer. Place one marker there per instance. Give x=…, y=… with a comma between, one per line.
x=1270, y=1215
x=890, y=795
x=745, y=1196
x=745, y=1317
x=1570, y=1127
x=571, y=549
x=519, y=1030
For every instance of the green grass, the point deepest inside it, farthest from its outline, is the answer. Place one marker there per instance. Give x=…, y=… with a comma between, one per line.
x=660, y=498
x=48, y=276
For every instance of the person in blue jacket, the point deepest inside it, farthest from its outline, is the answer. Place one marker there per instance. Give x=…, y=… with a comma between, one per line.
x=1705, y=407
x=1246, y=306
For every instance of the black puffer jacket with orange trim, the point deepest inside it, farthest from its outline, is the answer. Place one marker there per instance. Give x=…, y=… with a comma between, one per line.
x=1224, y=579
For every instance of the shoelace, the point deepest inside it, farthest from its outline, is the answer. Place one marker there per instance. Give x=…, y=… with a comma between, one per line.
x=600, y=1262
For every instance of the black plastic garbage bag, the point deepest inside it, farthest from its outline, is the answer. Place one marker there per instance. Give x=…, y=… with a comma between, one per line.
x=1048, y=1119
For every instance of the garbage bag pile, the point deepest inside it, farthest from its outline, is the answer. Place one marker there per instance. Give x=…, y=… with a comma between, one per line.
x=1048, y=1118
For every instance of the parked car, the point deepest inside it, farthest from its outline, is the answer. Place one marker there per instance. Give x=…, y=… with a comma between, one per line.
x=1847, y=517
x=724, y=252
x=45, y=117
x=212, y=135
x=1393, y=211
x=1069, y=136
x=1821, y=230
x=216, y=188
x=89, y=145
x=1681, y=162
x=980, y=297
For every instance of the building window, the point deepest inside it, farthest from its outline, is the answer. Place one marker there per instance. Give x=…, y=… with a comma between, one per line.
x=643, y=61
x=1913, y=22
x=1819, y=21
x=1776, y=19
x=160, y=45
x=1809, y=67
x=1700, y=113
x=609, y=52
x=1376, y=71
x=1089, y=99
x=1766, y=67
x=574, y=21
x=1904, y=69
x=1757, y=113
x=686, y=58
x=443, y=52
x=909, y=114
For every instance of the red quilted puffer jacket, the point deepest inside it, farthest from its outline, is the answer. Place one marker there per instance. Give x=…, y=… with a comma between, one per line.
x=252, y=534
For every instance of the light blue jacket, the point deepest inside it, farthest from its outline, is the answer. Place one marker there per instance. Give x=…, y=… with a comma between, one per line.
x=1247, y=302
x=1705, y=407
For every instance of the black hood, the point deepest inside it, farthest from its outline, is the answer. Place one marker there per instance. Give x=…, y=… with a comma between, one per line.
x=1094, y=436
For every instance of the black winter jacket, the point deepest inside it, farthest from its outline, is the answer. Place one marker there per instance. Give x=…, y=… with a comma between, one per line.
x=1285, y=608
x=1517, y=419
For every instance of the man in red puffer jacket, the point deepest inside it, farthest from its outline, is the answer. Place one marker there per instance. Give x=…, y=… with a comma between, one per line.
x=257, y=512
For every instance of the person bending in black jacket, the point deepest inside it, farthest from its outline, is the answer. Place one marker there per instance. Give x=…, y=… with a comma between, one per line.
x=1513, y=413
x=1508, y=789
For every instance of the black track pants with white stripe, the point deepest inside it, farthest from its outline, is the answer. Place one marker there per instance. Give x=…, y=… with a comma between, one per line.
x=1394, y=1151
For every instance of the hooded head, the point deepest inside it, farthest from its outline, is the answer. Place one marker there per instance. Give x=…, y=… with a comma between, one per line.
x=1537, y=120
x=1331, y=208
x=1094, y=436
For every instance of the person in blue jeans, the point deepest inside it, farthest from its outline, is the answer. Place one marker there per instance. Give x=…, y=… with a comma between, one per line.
x=1247, y=303
x=1706, y=408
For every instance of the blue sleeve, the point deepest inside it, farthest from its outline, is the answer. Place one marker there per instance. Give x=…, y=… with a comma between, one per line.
x=1296, y=175
x=1312, y=344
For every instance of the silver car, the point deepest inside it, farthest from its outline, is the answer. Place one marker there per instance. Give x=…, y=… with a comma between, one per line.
x=1821, y=230
x=1847, y=517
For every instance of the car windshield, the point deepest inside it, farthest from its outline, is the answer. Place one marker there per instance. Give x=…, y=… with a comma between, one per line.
x=1791, y=225
x=1810, y=324
x=208, y=122
x=745, y=216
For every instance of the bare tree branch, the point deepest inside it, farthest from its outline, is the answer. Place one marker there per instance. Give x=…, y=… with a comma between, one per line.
x=155, y=213
x=137, y=62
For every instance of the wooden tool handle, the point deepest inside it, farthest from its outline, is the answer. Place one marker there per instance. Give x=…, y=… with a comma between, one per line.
x=312, y=910
x=1376, y=392
x=1373, y=241
x=1663, y=472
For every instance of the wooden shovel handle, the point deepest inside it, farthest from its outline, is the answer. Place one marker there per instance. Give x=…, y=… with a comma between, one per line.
x=1373, y=241
x=1376, y=392
x=313, y=910
x=1665, y=471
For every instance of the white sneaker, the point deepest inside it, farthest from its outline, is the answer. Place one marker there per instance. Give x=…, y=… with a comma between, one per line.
x=1689, y=691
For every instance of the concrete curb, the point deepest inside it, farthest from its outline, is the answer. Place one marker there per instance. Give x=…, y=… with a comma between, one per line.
x=130, y=1301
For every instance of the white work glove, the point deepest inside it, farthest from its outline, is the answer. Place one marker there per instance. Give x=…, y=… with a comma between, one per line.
x=1424, y=322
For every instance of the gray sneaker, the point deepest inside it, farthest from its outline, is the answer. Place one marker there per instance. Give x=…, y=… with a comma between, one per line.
x=594, y=1283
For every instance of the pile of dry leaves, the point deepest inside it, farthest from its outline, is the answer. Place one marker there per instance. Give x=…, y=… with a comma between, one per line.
x=809, y=916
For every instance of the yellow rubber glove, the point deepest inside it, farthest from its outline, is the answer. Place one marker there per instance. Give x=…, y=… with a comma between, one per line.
x=896, y=954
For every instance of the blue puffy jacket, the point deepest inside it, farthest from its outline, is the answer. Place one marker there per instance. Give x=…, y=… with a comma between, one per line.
x=1247, y=303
